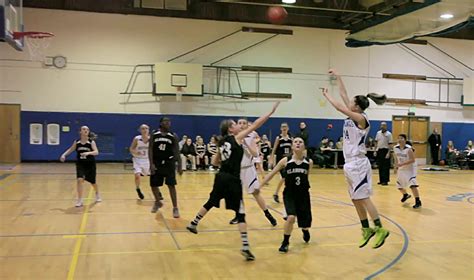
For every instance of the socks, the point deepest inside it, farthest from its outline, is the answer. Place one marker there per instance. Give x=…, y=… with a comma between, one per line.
x=245, y=241
x=196, y=220
x=378, y=223
x=267, y=213
x=365, y=223
x=417, y=200
x=306, y=235
x=286, y=239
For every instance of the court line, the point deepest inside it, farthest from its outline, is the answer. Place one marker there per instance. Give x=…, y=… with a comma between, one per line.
x=158, y=232
x=398, y=257
x=77, y=246
x=447, y=241
x=4, y=176
x=170, y=231
x=449, y=185
x=8, y=181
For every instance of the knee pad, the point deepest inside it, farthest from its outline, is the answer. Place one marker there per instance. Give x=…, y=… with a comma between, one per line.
x=240, y=218
x=207, y=205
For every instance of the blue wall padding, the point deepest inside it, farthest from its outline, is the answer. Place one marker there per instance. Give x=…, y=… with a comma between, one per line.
x=116, y=131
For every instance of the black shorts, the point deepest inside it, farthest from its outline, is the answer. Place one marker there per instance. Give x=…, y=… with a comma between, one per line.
x=86, y=171
x=298, y=204
x=164, y=173
x=229, y=188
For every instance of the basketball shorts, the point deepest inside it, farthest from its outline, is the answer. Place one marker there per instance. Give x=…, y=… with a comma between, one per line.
x=86, y=171
x=164, y=173
x=358, y=174
x=141, y=166
x=229, y=188
x=406, y=178
x=298, y=203
x=249, y=178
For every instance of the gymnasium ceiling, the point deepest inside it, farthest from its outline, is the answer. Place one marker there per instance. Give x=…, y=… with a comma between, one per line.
x=334, y=14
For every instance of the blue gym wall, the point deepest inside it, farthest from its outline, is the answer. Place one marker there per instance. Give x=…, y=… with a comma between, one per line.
x=116, y=131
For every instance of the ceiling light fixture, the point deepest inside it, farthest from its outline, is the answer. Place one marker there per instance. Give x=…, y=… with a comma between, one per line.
x=446, y=16
x=289, y=1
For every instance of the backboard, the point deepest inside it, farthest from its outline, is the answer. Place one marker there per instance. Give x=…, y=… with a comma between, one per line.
x=11, y=20
x=174, y=77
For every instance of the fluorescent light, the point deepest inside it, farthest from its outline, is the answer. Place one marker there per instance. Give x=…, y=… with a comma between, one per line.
x=289, y=1
x=446, y=16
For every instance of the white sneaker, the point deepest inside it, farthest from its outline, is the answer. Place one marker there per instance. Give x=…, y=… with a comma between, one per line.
x=97, y=198
x=79, y=203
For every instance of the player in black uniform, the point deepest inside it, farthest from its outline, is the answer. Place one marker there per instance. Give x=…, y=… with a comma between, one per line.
x=86, y=150
x=281, y=149
x=163, y=153
x=296, y=193
x=227, y=184
x=265, y=151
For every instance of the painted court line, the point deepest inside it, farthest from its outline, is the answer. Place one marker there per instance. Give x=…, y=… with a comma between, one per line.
x=77, y=246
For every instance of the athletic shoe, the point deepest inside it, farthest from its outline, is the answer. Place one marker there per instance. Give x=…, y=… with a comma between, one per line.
x=175, y=213
x=367, y=234
x=234, y=221
x=192, y=228
x=379, y=183
x=405, y=197
x=284, y=248
x=384, y=184
x=271, y=219
x=380, y=235
x=79, y=203
x=247, y=254
x=275, y=198
x=417, y=205
x=140, y=194
x=158, y=204
x=211, y=168
x=306, y=236
x=97, y=198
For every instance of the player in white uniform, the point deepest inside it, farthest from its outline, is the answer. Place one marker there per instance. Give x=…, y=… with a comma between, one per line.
x=139, y=150
x=248, y=171
x=406, y=170
x=357, y=167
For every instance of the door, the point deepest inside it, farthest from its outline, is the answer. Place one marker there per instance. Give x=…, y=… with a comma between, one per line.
x=10, y=133
x=417, y=129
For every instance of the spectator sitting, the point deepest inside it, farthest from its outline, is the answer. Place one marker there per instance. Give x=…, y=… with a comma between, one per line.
x=322, y=155
x=339, y=143
x=451, y=154
x=212, y=150
x=181, y=143
x=371, y=144
x=331, y=144
x=469, y=148
x=202, y=161
x=188, y=152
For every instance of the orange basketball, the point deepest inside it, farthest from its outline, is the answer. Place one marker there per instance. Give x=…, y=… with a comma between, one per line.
x=277, y=15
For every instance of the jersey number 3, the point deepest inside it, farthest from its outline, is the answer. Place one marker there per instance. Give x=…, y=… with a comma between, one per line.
x=298, y=181
x=226, y=151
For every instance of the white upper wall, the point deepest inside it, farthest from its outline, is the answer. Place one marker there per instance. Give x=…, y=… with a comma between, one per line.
x=89, y=40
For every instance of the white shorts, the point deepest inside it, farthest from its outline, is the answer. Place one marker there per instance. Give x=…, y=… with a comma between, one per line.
x=358, y=174
x=141, y=166
x=406, y=178
x=257, y=159
x=249, y=178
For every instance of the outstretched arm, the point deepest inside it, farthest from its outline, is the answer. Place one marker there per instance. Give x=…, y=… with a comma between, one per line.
x=256, y=124
x=357, y=117
x=272, y=155
x=342, y=87
x=281, y=164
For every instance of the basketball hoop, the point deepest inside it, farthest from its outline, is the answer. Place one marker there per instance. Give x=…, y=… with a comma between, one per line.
x=179, y=93
x=36, y=43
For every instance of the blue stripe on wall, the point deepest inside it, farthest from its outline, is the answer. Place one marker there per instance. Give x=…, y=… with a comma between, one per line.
x=118, y=130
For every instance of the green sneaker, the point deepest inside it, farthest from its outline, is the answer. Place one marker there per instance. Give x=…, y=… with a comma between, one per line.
x=380, y=235
x=367, y=234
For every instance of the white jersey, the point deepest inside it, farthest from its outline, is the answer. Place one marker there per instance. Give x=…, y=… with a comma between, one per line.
x=354, y=139
x=142, y=148
x=402, y=157
x=247, y=158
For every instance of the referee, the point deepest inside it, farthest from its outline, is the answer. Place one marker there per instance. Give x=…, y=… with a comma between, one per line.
x=383, y=138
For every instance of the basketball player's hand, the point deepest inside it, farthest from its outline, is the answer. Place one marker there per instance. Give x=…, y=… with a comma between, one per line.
x=62, y=159
x=152, y=169
x=180, y=171
x=387, y=156
x=275, y=106
x=325, y=91
x=333, y=72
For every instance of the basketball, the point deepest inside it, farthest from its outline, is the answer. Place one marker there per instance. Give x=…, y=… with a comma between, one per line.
x=277, y=15
x=441, y=163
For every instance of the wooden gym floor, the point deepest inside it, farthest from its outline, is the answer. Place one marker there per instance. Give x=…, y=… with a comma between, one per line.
x=43, y=236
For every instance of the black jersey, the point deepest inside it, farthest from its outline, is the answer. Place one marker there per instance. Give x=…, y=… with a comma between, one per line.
x=284, y=147
x=212, y=148
x=84, y=148
x=231, y=156
x=163, y=147
x=200, y=149
x=265, y=148
x=297, y=175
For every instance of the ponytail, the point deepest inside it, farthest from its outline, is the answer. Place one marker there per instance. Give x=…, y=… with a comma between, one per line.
x=225, y=124
x=92, y=136
x=377, y=98
x=363, y=101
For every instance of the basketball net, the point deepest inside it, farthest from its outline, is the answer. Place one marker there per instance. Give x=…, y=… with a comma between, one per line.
x=179, y=93
x=36, y=43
